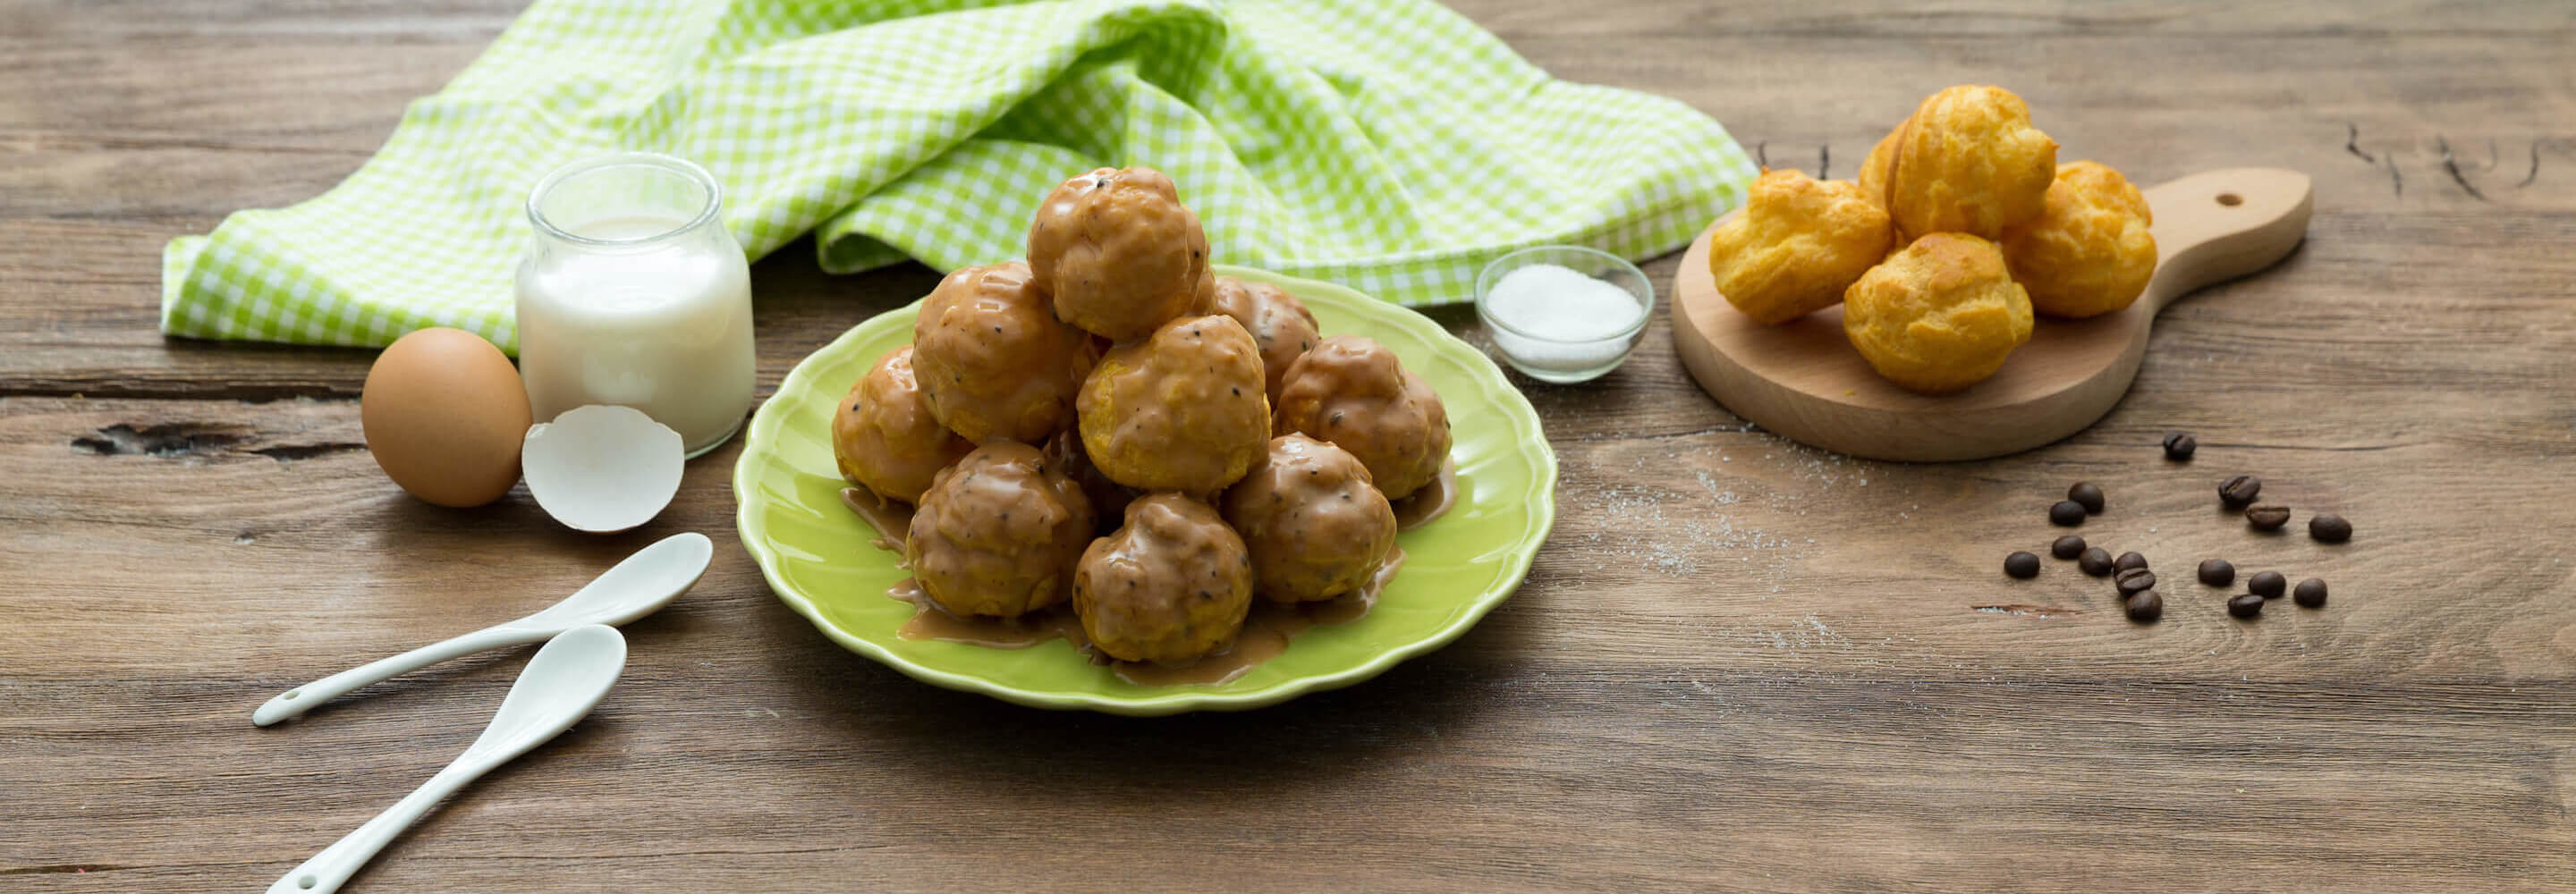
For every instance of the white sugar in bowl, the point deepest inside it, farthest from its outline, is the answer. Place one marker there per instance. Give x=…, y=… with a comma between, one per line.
x=1563, y=313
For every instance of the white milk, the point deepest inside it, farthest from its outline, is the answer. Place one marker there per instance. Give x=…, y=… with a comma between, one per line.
x=633, y=293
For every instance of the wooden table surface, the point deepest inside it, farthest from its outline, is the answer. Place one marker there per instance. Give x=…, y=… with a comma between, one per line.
x=1739, y=663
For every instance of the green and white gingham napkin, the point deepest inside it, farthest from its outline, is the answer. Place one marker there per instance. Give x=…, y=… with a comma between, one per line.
x=1388, y=145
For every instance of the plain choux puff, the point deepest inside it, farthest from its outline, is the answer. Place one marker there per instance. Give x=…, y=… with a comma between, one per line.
x=1796, y=246
x=1968, y=161
x=1939, y=315
x=2090, y=251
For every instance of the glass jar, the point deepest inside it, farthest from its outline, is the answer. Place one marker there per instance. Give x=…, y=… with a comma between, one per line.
x=634, y=293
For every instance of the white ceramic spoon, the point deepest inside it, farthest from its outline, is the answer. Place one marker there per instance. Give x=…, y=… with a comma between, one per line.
x=567, y=678
x=638, y=586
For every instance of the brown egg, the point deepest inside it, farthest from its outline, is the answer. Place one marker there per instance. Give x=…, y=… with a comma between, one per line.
x=444, y=412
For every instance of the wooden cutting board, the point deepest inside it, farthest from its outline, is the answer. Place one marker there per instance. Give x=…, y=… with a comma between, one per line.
x=1804, y=380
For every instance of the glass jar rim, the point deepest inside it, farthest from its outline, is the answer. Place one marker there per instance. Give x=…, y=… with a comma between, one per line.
x=690, y=170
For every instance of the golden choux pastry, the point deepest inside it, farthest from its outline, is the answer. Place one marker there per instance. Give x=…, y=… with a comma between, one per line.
x=1939, y=315
x=1349, y=390
x=1171, y=586
x=1798, y=243
x=997, y=534
x=992, y=359
x=884, y=437
x=2089, y=252
x=1119, y=252
x=1968, y=161
x=1873, y=170
x=1182, y=410
x=1316, y=526
x=1279, y=323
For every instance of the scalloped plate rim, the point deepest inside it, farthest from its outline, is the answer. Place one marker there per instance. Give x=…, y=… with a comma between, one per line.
x=1514, y=408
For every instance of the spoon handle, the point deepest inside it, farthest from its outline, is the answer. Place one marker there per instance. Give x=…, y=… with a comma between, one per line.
x=331, y=868
x=302, y=698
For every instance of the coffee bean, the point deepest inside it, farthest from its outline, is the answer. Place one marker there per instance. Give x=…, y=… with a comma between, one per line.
x=2267, y=584
x=2066, y=514
x=2095, y=561
x=2145, y=607
x=2067, y=547
x=2179, y=445
x=2245, y=605
x=2311, y=593
x=2217, y=573
x=2328, y=527
x=2022, y=565
x=2239, y=490
x=2129, y=560
x=2134, y=580
x=2267, y=516
x=2086, y=494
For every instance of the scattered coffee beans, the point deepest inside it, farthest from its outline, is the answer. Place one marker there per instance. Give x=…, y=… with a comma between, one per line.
x=2266, y=584
x=2095, y=561
x=2328, y=527
x=2217, y=573
x=2179, y=445
x=2134, y=580
x=2267, y=516
x=2129, y=560
x=2239, y=490
x=2067, y=547
x=2066, y=514
x=2022, y=565
x=2245, y=605
x=2086, y=494
x=2311, y=593
x=2145, y=607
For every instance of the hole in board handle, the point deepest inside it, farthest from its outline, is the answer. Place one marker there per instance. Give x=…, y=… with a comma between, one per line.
x=2230, y=199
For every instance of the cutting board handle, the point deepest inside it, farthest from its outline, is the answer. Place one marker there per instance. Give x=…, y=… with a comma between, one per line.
x=2218, y=225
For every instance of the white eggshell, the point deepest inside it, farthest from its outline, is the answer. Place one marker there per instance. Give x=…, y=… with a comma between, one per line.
x=602, y=469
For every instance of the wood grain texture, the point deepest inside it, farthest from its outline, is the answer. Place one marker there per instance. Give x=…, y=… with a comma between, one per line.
x=1739, y=664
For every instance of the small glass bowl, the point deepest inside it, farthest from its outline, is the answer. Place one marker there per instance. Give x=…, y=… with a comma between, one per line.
x=1556, y=359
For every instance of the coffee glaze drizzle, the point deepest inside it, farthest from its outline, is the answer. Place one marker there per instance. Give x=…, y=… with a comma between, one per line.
x=1424, y=506
x=892, y=520
x=1266, y=631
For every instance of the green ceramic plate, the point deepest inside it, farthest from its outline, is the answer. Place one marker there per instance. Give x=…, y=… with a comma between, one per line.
x=817, y=556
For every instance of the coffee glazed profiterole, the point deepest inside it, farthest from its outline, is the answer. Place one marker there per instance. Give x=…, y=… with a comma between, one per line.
x=1279, y=323
x=998, y=533
x=1181, y=411
x=992, y=359
x=1119, y=252
x=1350, y=390
x=884, y=437
x=1316, y=527
x=1170, y=586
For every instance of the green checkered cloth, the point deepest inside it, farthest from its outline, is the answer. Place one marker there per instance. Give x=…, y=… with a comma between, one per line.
x=1388, y=145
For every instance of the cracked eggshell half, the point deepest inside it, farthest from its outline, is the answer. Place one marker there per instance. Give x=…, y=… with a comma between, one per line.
x=602, y=469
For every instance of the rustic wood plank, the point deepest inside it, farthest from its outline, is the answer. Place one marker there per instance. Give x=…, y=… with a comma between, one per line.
x=1740, y=664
